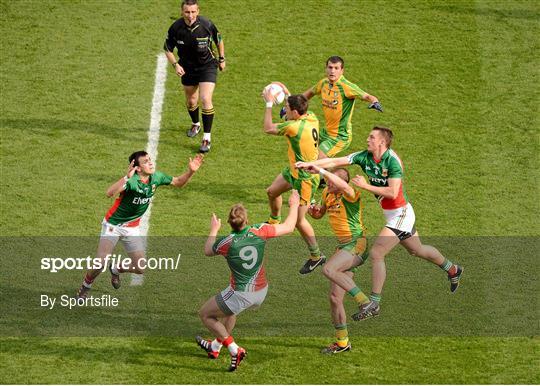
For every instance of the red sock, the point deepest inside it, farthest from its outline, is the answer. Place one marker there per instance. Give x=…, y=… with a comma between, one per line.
x=227, y=341
x=88, y=280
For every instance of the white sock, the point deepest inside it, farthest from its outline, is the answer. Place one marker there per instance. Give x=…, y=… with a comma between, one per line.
x=114, y=270
x=216, y=346
x=206, y=137
x=233, y=348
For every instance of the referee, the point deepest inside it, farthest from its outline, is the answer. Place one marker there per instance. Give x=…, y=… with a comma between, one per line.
x=197, y=65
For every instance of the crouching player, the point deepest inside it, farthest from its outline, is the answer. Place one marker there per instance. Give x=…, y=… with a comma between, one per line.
x=244, y=251
x=344, y=208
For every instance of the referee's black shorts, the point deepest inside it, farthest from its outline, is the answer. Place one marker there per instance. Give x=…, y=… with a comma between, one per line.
x=194, y=76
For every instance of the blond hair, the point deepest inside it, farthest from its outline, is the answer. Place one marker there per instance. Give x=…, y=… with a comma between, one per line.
x=237, y=217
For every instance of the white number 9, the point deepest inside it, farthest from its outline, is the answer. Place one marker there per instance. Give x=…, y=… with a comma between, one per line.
x=249, y=255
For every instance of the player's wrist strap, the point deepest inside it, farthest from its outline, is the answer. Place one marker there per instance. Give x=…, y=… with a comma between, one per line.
x=269, y=104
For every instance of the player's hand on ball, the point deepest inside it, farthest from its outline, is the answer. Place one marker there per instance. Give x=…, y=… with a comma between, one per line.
x=377, y=106
x=287, y=93
x=360, y=181
x=294, y=199
x=215, y=223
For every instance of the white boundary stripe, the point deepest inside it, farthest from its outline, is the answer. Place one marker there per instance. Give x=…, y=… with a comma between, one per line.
x=155, y=122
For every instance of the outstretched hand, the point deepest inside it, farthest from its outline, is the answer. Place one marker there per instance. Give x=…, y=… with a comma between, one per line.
x=377, y=106
x=195, y=163
x=308, y=166
x=287, y=93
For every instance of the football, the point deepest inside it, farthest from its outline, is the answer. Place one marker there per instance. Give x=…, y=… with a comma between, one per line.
x=277, y=92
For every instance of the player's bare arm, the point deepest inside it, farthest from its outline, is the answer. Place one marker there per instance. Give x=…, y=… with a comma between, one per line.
x=268, y=126
x=324, y=163
x=308, y=93
x=221, y=51
x=120, y=185
x=341, y=184
x=391, y=191
x=215, y=225
x=193, y=165
x=289, y=224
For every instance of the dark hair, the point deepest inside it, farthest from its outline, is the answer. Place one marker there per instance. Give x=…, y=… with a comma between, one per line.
x=348, y=176
x=386, y=133
x=237, y=217
x=136, y=155
x=188, y=2
x=336, y=59
x=299, y=103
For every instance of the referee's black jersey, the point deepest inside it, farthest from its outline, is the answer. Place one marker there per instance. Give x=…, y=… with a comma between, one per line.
x=194, y=43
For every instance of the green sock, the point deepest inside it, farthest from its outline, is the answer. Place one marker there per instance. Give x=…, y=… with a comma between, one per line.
x=314, y=251
x=446, y=265
x=374, y=297
x=358, y=295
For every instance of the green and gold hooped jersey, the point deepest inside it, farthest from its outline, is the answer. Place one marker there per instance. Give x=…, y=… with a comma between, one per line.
x=344, y=214
x=131, y=204
x=303, y=137
x=338, y=105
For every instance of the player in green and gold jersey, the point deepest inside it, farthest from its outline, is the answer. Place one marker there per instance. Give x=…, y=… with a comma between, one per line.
x=121, y=223
x=338, y=96
x=301, y=129
x=344, y=208
x=385, y=171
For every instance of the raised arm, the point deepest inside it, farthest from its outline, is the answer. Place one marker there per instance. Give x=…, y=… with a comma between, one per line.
x=268, y=126
x=120, y=185
x=193, y=165
x=290, y=222
x=215, y=225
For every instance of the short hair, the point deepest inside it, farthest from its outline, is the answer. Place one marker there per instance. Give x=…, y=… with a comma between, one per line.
x=237, y=217
x=386, y=133
x=336, y=59
x=347, y=175
x=299, y=103
x=188, y=2
x=136, y=155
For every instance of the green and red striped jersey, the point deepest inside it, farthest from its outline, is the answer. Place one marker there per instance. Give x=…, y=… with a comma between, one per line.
x=379, y=171
x=134, y=200
x=244, y=252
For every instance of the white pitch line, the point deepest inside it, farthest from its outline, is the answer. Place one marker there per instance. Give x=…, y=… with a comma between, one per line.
x=155, y=123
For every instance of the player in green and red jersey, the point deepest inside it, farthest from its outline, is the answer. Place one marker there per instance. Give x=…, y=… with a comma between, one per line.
x=344, y=208
x=385, y=172
x=244, y=251
x=121, y=223
x=302, y=132
x=338, y=96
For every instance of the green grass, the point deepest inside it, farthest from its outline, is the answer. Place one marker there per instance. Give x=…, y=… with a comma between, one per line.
x=459, y=84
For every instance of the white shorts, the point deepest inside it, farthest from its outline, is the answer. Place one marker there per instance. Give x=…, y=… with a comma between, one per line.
x=401, y=221
x=233, y=302
x=131, y=237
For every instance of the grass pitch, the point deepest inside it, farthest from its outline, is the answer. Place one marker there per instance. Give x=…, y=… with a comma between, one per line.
x=459, y=84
